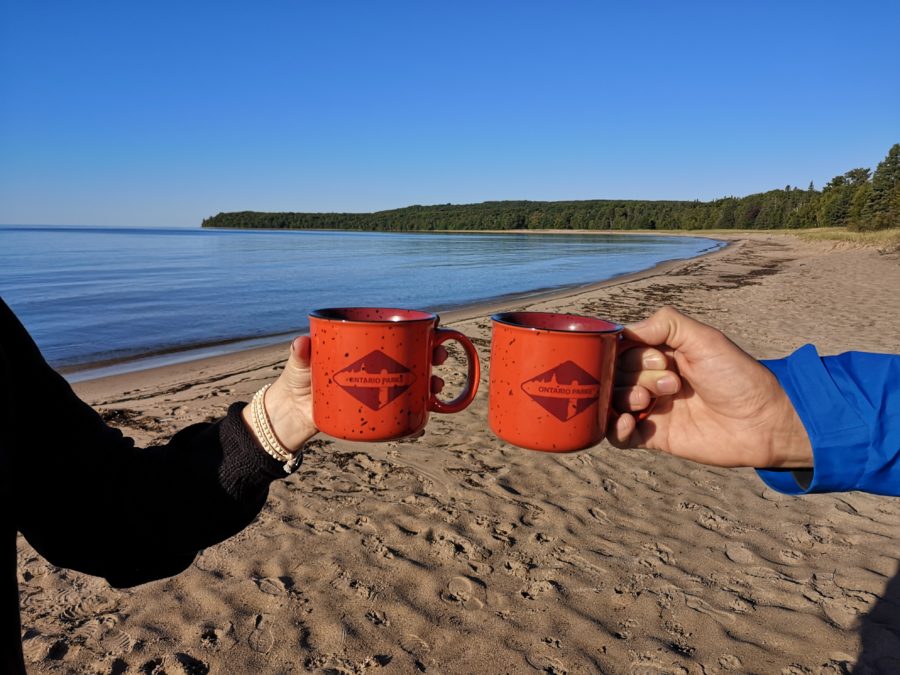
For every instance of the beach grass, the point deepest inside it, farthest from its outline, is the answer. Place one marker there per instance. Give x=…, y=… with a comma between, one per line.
x=886, y=241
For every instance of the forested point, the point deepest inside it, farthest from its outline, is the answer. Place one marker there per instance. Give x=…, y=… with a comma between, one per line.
x=859, y=200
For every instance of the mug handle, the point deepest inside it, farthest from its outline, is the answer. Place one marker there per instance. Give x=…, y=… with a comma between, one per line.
x=465, y=397
x=624, y=344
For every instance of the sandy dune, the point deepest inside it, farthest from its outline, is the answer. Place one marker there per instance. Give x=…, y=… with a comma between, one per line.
x=456, y=553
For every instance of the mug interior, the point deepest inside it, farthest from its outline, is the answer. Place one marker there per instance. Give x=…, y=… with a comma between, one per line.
x=372, y=314
x=564, y=323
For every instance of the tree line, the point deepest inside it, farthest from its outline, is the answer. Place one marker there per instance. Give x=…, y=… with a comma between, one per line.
x=859, y=199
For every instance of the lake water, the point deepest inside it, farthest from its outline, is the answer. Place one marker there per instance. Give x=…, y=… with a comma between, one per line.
x=91, y=294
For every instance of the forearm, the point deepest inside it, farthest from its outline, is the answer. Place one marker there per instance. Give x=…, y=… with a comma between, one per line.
x=133, y=514
x=86, y=498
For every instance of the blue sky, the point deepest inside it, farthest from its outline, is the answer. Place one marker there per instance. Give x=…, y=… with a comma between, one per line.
x=163, y=113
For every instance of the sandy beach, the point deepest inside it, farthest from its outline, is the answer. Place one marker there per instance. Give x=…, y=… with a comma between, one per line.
x=457, y=553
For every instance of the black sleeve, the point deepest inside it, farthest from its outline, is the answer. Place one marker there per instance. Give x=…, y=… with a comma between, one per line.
x=86, y=498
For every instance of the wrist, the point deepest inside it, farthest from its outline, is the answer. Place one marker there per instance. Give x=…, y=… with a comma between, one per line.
x=289, y=431
x=790, y=447
x=292, y=427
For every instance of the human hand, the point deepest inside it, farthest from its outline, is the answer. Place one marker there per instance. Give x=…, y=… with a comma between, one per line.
x=715, y=403
x=288, y=401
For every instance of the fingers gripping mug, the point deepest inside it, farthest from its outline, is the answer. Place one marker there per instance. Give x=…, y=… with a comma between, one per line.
x=371, y=371
x=551, y=379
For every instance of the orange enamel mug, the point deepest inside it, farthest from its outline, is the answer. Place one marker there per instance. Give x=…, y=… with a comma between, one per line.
x=552, y=379
x=371, y=371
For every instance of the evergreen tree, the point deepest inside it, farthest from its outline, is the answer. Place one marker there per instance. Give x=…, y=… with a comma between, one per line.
x=882, y=209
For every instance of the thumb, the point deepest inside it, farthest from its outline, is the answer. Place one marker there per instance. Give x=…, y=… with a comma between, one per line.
x=298, y=361
x=670, y=327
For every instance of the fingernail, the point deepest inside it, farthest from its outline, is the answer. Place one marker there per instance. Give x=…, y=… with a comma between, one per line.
x=667, y=385
x=654, y=362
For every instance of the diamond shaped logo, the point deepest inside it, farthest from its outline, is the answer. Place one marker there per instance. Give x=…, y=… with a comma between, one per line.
x=375, y=380
x=563, y=391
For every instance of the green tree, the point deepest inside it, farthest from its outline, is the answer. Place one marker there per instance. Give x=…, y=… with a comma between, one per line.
x=882, y=209
x=856, y=215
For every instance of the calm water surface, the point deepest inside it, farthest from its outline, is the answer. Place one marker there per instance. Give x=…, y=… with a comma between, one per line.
x=91, y=294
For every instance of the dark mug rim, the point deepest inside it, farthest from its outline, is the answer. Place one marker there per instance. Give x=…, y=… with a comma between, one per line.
x=564, y=324
x=394, y=315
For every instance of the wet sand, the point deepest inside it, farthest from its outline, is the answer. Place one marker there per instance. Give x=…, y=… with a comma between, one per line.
x=456, y=553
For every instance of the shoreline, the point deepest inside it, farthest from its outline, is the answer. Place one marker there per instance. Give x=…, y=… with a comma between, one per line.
x=180, y=355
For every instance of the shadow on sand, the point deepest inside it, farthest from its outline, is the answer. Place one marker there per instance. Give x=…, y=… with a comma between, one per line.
x=880, y=635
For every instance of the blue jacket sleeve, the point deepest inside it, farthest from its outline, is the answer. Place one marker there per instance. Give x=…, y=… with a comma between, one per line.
x=850, y=407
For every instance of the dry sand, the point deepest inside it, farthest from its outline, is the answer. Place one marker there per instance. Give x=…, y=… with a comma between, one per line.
x=456, y=553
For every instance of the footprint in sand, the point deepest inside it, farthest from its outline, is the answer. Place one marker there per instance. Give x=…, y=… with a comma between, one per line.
x=375, y=544
x=409, y=526
x=713, y=522
x=517, y=568
x=283, y=587
x=89, y=607
x=116, y=642
x=92, y=630
x=839, y=663
x=656, y=553
x=40, y=648
x=344, y=581
x=570, y=556
x=274, y=585
x=790, y=556
x=545, y=663
x=538, y=589
x=730, y=662
x=738, y=553
x=820, y=534
x=741, y=606
x=325, y=527
x=261, y=639
x=625, y=632
x=598, y=514
x=649, y=664
x=414, y=645
x=503, y=532
x=461, y=591
x=213, y=562
x=179, y=664
x=449, y=546
x=533, y=516
x=217, y=638
x=378, y=618
x=480, y=568
x=841, y=613
x=419, y=649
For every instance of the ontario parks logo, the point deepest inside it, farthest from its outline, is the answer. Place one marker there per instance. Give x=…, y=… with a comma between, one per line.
x=375, y=380
x=564, y=391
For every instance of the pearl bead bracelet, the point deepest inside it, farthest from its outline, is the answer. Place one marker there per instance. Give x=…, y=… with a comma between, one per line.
x=266, y=437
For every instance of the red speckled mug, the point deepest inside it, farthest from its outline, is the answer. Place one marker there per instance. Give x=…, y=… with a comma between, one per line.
x=552, y=379
x=371, y=371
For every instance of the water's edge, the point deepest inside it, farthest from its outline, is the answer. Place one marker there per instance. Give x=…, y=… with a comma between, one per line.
x=188, y=353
